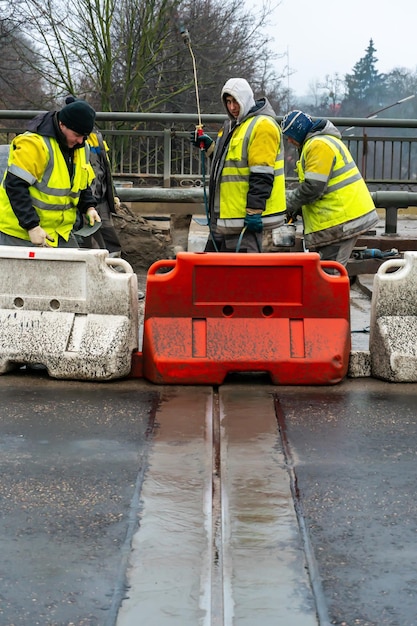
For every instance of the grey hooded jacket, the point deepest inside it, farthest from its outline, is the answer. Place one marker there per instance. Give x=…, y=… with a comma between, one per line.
x=260, y=183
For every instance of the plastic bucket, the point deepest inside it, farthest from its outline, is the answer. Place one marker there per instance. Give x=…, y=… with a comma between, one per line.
x=284, y=236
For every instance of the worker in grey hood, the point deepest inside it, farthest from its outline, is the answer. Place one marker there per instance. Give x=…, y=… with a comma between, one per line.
x=247, y=186
x=241, y=91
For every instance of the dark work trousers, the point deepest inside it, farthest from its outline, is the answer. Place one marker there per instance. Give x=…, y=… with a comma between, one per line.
x=339, y=251
x=251, y=242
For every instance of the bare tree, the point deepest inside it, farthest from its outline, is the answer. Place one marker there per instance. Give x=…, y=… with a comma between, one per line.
x=129, y=54
x=19, y=80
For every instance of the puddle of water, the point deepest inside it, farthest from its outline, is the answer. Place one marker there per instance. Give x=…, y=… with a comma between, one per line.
x=169, y=572
x=264, y=557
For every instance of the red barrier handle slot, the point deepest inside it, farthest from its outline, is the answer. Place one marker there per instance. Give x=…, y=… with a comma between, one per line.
x=162, y=263
x=336, y=266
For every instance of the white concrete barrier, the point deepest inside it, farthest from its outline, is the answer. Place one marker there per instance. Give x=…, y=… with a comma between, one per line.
x=4, y=157
x=393, y=327
x=69, y=310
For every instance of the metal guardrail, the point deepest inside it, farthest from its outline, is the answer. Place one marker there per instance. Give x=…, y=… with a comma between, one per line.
x=391, y=201
x=153, y=149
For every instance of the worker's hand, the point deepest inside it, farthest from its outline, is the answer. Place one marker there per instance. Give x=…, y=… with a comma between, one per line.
x=92, y=216
x=39, y=237
x=203, y=141
x=116, y=204
x=253, y=222
x=293, y=208
x=292, y=213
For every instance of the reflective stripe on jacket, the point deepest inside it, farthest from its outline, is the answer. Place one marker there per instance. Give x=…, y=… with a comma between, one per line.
x=345, y=200
x=39, y=161
x=246, y=154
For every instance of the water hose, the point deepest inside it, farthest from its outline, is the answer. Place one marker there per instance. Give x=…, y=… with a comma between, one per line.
x=199, y=131
x=239, y=241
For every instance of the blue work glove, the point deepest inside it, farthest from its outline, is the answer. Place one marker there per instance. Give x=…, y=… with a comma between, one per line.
x=254, y=223
x=202, y=141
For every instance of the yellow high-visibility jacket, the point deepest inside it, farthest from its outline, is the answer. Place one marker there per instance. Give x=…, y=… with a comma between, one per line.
x=255, y=147
x=39, y=161
x=345, y=207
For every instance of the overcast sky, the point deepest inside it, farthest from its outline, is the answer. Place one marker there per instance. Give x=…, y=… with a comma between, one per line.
x=323, y=37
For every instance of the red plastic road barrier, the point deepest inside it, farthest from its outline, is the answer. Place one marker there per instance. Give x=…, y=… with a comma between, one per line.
x=211, y=314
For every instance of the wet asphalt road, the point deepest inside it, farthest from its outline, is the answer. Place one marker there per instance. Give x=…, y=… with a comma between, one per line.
x=73, y=458
x=354, y=449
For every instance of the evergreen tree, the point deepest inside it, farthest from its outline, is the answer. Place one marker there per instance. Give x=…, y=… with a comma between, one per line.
x=365, y=86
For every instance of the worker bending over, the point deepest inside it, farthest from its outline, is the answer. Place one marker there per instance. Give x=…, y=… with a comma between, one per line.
x=47, y=180
x=332, y=196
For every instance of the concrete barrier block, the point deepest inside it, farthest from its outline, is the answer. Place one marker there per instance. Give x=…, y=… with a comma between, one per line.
x=4, y=157
x=359, y=364
x=394, y=349
x=393, y=324
x=69, y=310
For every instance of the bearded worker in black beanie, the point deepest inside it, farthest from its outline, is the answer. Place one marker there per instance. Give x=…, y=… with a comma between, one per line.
x=47, y=180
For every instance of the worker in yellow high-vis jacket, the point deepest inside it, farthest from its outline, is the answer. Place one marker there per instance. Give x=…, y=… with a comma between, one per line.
x=47, y=180
x=332, y=196
x=247, y=186
x=103, y=191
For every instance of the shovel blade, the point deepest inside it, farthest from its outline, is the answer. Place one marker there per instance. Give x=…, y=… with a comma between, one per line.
x=87, y=230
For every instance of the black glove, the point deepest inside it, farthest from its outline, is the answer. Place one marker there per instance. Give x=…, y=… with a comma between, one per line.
x=293, y=208
x=202, y=141
x=292, y=213
x=254, y=223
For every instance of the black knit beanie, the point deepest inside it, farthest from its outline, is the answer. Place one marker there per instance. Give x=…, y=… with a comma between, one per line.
x=79, y=116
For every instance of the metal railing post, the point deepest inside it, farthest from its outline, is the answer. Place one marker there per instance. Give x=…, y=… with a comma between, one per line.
x=391, y=216
x=167, y=157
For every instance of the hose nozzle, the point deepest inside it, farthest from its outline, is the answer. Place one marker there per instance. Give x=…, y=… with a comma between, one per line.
x=185, y=34
x=199, y=131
